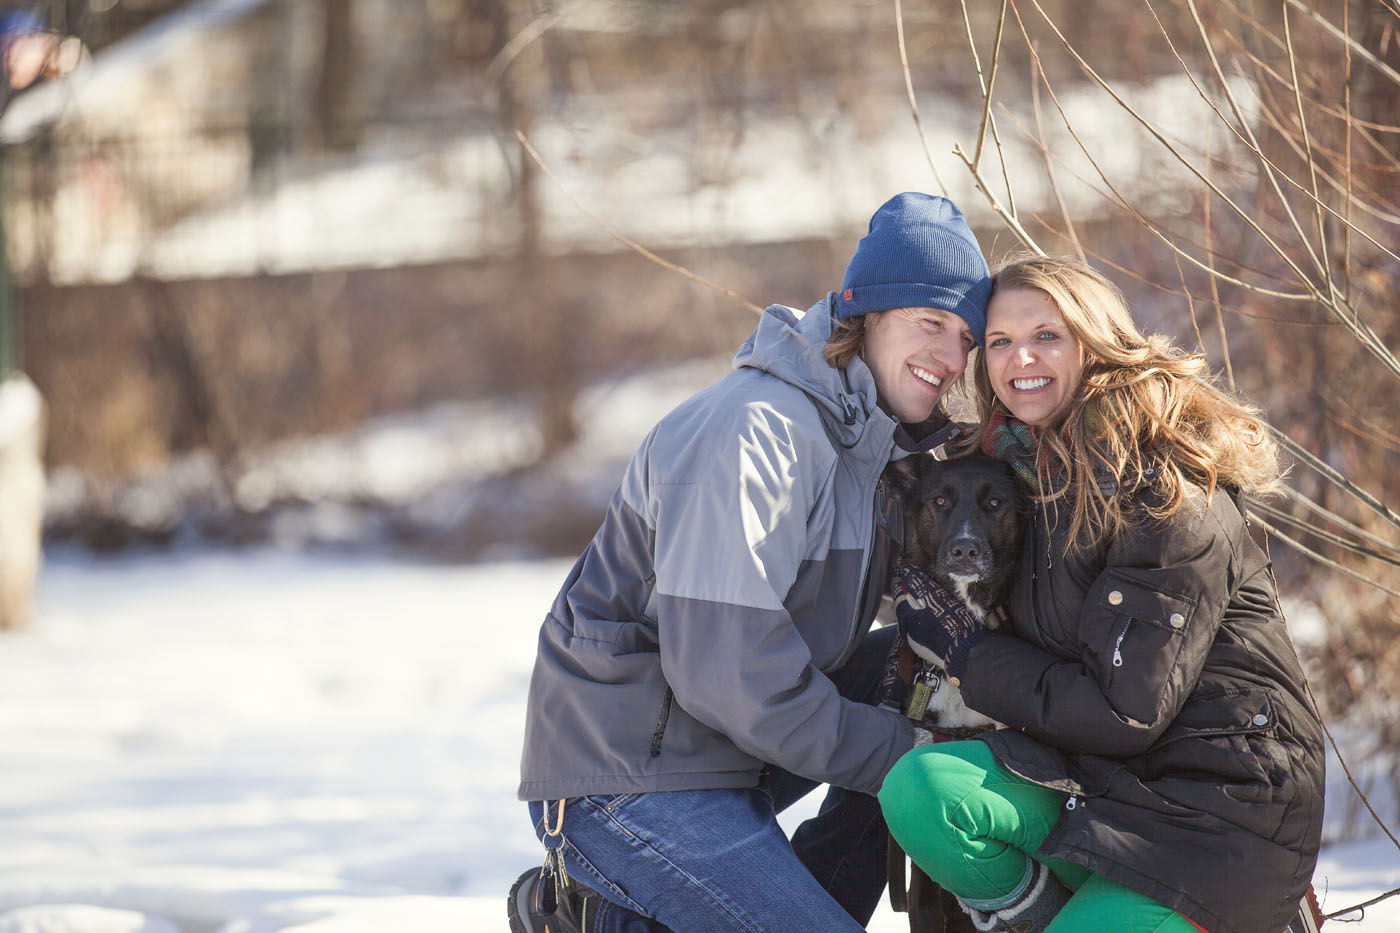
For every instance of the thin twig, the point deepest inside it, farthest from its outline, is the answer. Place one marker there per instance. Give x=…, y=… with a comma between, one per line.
x=1307, y=147
x=631, y=244
x=986, y=84
x=1332, y=475
x=1007, y=217
x=1050, y=167
x=1327, y=561
x=1358, y=327
x=1366, y=54
x=1347, y=169
x=1355, y=907
x=1215, y=283
x=1113, y=197
x=1266, y=109
x=1392, y=558
x=1190, y=302
x=914, y=104
x=1290, y=493
x=1311, y=295
x=1104, y=260
x=1258, y=28
x=1249, y=139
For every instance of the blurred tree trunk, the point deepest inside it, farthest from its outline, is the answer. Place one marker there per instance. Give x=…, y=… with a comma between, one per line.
x=336, y=115
x=543, y=329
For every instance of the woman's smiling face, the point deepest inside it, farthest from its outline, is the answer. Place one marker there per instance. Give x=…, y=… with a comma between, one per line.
x=1033, y=362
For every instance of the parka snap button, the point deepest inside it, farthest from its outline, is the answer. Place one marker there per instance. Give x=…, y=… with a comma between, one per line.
x=1177, y=620
x=1115, y=598
x=1260, y=719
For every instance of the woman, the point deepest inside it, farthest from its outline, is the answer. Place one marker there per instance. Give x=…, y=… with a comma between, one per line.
x=1163, y=768
x=707, y=660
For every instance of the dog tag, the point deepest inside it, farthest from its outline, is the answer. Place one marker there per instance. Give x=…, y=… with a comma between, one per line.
x=926, y=684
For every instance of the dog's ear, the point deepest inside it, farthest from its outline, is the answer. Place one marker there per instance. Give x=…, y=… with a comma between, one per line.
x=902, y=476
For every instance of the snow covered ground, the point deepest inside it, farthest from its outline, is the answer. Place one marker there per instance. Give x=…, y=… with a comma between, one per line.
x=236, y=742
x=218, y=741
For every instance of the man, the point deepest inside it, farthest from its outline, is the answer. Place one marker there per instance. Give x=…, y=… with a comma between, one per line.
x=707, y=662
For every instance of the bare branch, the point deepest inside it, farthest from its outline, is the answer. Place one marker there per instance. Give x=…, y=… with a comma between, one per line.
x=1249, y=139
x=1290, y=493
x=1307, y=147
x=1139, y=277
x=1322, y=721
x=914, y=104
x=1333, y=476
x=986, y=85
x=1331, y=301
x=1190, y=302
x=1021, y=233
x=1346, y=165
x=1388, y=555
x=1347, y=190
x=1362, y=52
x=1050, y=165
x=1149, y=225
x=1303, y=548
x=1215, y=286
x=1260, y=29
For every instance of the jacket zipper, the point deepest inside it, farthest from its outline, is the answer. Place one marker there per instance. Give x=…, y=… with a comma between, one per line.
x=1118, y=645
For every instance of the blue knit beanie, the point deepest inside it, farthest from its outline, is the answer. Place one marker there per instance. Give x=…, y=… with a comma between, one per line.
x=919, y=253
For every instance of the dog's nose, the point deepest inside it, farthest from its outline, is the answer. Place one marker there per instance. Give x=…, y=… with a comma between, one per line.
x=964, y=549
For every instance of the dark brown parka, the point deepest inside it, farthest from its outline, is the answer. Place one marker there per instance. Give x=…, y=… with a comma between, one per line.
x=1154, y=680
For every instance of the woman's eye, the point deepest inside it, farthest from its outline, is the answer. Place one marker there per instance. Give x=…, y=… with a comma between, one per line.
x=996, y=343
x=1047, y=335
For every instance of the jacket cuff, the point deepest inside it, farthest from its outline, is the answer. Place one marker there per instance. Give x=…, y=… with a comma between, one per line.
x=957, y=658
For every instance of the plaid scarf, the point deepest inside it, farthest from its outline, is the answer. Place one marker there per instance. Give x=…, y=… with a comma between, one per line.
x=1015, y=443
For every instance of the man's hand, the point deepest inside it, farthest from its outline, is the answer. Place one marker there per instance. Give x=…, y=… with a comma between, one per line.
x=933, y=620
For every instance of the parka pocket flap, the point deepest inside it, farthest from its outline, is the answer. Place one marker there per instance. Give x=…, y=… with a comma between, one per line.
x=1123, y=593
x=1240, y=711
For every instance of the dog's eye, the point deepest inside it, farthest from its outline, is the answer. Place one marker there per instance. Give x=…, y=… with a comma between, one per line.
x=993, y=503
x=940, y=501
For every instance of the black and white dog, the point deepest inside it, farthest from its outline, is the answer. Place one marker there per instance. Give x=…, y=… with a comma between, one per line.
x=964, y=527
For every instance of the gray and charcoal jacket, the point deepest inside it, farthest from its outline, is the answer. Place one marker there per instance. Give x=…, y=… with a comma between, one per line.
x=743, y=556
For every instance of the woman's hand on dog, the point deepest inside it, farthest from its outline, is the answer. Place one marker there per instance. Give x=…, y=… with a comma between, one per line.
x=933, y=619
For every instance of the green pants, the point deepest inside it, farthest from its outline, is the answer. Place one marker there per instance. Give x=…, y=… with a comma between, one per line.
x=970, y=825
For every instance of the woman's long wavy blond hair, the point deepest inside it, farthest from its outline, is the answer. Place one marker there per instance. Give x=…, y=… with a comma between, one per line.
x=1147, y=413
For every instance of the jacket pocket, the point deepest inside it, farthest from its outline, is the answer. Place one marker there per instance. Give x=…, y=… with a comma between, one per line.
x=1133, y=637
x=1209, y=759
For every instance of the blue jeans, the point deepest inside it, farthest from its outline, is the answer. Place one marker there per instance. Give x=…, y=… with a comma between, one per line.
x=718, y=860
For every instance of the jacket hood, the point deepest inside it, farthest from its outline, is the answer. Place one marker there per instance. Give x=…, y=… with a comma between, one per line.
x=791, y=344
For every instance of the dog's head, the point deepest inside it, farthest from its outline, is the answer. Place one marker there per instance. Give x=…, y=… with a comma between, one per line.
x=966, y=518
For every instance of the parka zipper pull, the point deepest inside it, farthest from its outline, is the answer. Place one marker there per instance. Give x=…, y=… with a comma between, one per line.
x=1072, y=802
x=1118, y=646
x=1035, y=536
x=849, y=408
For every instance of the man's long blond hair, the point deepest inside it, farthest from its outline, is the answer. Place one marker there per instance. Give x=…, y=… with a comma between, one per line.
x=1146, y=414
